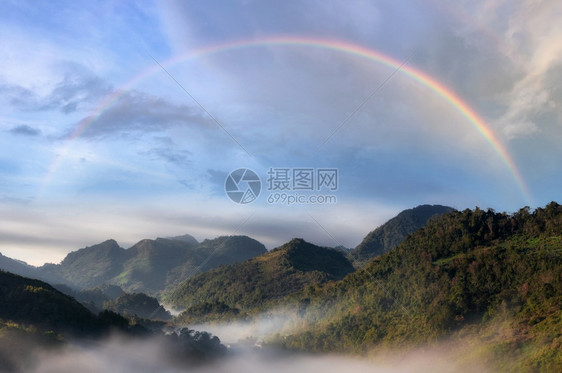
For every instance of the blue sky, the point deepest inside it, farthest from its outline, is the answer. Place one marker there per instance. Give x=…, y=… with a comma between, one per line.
x=154, y=163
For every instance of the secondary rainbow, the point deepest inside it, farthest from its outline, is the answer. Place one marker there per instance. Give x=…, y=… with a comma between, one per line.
x=339, y=46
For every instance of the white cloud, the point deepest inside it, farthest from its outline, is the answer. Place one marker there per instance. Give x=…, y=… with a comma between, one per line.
x=535, y=35
x=41, y=232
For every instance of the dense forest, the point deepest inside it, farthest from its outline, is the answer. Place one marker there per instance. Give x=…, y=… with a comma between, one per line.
x=393, y=232
x=257, y=283
x=493, y=276
x=35, y=318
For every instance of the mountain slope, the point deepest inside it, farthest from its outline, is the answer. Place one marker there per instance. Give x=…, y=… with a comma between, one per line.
x=392, y=233
x=34, y=302
x=492, y=277
x=34, y=318
x=13, y=266
x=90, y=266
x=37, y=320
x=148, y=266
x=213, y=253
x=264, y=279
x=148, y=262
x=23, y=269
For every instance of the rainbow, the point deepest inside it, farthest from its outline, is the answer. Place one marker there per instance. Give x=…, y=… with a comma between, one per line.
x=415, y=74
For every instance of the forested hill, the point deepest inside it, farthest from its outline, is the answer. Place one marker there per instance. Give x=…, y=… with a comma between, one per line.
x=37, y=320
x=492, y=276
x=36, y=304
x=251, y=284
x=392, y=233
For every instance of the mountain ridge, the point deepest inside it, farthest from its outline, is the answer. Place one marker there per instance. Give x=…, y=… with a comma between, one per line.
x=267, y=278
x=153, y=265
x=148, y=266
x=390, y=234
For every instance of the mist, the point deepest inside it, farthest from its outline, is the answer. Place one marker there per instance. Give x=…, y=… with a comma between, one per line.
x=117, y=354
x=257, y=329
x=244, y=349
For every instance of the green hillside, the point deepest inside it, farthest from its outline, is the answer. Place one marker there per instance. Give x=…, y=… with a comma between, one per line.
x=33, y=302
x=36, y=319
x=393, y=232
x=493, y=277
x=262, y=280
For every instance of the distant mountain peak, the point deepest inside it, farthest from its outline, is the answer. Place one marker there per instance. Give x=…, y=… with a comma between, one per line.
x=297, y=242
x=393, y=232
x=272, y=275
x=148, y=266
x=187, y=238
x=305, y=256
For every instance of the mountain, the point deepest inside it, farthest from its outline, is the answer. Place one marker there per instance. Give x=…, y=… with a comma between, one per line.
x=23, y=269
x=485, y=279
x=187, y=238
x=149, y=266
x=147, y=263
x=17, y=266
x=213, y=253
x=90, y=266
x=392, y=233
x=153, y=265
x=264, y=279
